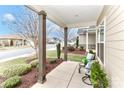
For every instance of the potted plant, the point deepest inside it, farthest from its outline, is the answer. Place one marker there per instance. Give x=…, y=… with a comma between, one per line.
x=98, y=76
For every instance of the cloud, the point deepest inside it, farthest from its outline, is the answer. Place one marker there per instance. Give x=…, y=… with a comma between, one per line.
x=8, y=18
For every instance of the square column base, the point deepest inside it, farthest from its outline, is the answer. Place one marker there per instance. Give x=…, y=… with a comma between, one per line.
x=42, y=79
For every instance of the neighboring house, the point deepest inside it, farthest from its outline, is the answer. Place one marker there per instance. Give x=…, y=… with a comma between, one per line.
x=53, y=40
x=87, y=37
x=12, y=40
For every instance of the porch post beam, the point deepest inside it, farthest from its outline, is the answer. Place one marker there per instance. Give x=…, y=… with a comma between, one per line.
x=42, y=46
x=87, y=41
x=65, y=43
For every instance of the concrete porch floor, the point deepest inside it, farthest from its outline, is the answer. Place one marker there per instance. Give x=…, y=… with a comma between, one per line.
x=64, y=76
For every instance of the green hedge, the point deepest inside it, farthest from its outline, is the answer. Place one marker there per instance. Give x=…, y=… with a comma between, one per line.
x=11, y=82
x=52, y=61
x=81, y=48
x=98, y=76
x=17, y=69
x=34, y=63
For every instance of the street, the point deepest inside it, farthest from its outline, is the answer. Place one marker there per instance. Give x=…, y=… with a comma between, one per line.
x=14, y=53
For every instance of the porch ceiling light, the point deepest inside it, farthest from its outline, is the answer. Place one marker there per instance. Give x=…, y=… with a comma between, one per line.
x=76, y=15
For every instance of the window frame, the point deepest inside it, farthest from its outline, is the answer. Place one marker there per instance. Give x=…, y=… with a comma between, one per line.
x=99, y=42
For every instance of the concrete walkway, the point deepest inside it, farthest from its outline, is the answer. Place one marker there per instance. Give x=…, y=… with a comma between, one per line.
x=64, y=76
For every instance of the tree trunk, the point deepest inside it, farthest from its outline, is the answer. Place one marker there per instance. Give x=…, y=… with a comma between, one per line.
x=36, y=51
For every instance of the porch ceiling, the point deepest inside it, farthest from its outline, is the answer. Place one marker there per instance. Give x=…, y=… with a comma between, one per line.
x=71, y=16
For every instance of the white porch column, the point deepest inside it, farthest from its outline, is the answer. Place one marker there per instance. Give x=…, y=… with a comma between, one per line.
x=42, y=46
x=87, y=40
x=65, y=43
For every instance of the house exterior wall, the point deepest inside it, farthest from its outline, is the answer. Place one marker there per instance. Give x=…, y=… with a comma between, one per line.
x=82, y=40
x=114, y=44
x=16, y=42
x=91, y=40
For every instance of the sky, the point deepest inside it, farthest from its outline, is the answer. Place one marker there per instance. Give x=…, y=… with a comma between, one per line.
x=7, y=13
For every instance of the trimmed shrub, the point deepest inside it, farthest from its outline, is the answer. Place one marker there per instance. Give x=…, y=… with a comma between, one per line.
x=77, y=42
x=17, y=69
x=34, y=63
x=71, y=48
x=11, y=82
x=52, y=61
x=91, y=51
x=58, y=46
x=98, y=77
x=81, y=48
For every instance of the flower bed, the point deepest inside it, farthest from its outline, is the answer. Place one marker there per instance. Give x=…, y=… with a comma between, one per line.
x=75, y=50
x=30, y=78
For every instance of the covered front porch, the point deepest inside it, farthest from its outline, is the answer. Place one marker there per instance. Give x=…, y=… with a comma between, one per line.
x=66, y=74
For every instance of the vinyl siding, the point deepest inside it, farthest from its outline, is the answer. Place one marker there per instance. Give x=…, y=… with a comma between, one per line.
x=114, y=44
x=82, y=39
x=91, y=39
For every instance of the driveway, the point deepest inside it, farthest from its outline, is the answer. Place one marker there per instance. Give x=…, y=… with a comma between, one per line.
x=15, y=53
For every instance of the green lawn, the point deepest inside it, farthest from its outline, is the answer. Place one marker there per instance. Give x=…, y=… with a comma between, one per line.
x=75, y=57
x=71, y=57
x=50, y=54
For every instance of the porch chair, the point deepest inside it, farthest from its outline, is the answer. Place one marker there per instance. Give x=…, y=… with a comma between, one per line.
x=87, y=72
x=89, y=57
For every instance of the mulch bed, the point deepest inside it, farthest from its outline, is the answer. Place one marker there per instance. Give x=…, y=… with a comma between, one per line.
x=50, y=67
x=76, y=51
x=30, y=78
x=2, y=79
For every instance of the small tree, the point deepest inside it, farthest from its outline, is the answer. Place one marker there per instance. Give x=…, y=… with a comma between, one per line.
x=25, y=24
x=77, y=42
x=58, y=46
x=71, y=34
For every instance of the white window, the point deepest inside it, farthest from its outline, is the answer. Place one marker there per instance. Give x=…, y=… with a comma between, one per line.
x=101, y=41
